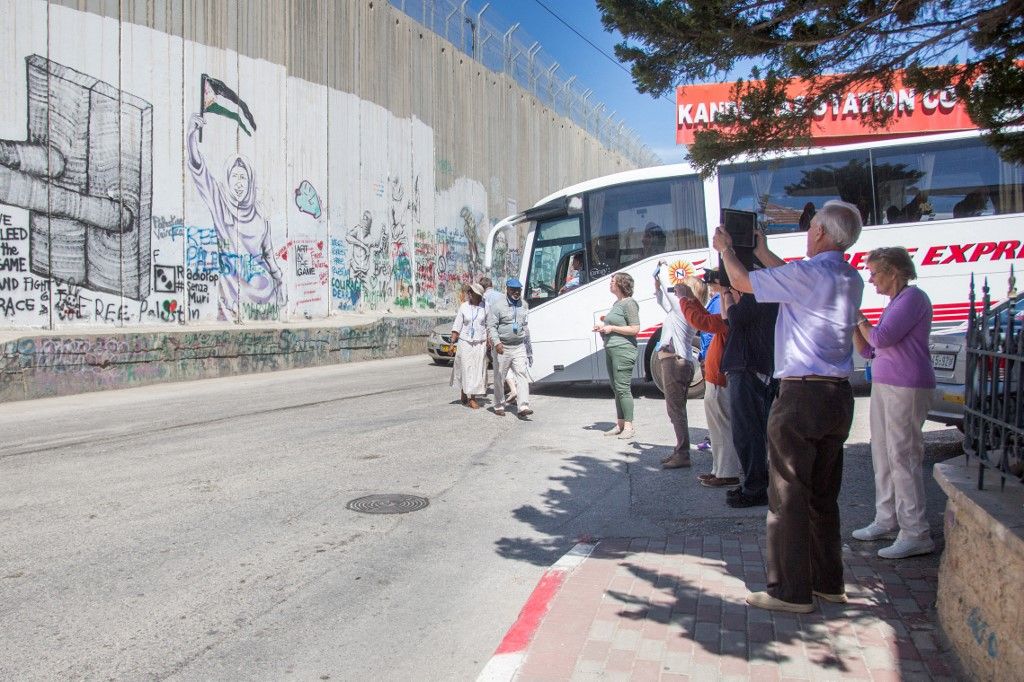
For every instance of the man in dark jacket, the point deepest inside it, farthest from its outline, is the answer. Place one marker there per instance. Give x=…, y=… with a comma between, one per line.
x=748, y=362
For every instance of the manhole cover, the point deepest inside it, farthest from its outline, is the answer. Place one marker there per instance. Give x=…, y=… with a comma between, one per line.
x=388, y=504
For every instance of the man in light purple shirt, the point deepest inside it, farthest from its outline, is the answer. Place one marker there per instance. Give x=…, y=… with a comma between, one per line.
x=819, y=301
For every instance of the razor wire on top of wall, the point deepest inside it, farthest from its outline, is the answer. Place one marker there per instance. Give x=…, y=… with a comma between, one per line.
x=506, y=51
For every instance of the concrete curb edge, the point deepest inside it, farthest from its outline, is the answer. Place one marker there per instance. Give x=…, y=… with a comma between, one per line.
x=505, y=662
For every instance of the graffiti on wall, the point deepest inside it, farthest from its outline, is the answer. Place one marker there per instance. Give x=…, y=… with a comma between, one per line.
x=253, y=280
x=85, y=174
x=372, y=267
x=307, y=200
x=84, y=238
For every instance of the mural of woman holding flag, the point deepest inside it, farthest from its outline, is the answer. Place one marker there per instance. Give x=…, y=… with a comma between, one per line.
x=249, y=273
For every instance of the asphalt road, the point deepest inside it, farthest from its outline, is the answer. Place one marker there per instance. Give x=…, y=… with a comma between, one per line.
x=200, y=530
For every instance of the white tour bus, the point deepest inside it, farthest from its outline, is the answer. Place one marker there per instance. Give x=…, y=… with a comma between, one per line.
x=949, y=199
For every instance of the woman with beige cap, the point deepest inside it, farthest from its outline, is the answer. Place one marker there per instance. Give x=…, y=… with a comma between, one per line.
x=469, y=332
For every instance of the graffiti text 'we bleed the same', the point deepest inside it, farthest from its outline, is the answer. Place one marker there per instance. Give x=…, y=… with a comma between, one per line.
x=14, y=269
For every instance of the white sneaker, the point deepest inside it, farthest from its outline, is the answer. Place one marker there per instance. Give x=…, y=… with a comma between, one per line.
x=874, y=532
x=901, y=549
x=627, y=434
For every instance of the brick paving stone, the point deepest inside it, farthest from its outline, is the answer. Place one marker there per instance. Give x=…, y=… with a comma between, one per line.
x=907, y=666
x=703, y=657
x=685, y=604
x=679, y=645
x=595, y=651
x=734, y=643
x=878, y=658
x=906, y=650
x=760, y=632
x=589, y=667
x=924, y=641
x=619, y=660
x=650, y=649
x=627, y=640
x=734, y=621
x=706, y=632
x=677, y=662
x=602, y=630
x=709, y=613
x=906, y=605
x=633, y=620
x=655, y=630
x=674, y=677
x=938, y=667
x=764, y=672
x=796, y=668
x=646, y=670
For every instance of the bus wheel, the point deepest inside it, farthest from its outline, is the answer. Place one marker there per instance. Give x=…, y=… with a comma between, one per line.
x=697, y=383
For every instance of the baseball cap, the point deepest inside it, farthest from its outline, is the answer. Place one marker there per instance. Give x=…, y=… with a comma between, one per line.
x=513, y=283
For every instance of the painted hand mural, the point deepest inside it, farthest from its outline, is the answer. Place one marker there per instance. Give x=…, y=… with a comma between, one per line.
x=85, y=174
x=250, y=275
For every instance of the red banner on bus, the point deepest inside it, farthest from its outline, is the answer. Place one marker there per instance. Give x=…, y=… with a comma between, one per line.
x=841, y=120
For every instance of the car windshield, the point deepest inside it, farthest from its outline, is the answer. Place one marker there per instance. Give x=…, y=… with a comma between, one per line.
x=1018, y=315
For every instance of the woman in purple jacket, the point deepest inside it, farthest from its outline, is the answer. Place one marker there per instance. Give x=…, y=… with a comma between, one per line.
x=902, y=381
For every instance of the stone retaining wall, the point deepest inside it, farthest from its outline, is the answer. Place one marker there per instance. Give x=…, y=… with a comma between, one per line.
x=982, y=572
x=52, y=365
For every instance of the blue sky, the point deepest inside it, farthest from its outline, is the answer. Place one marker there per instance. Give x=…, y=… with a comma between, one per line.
x=652, y=118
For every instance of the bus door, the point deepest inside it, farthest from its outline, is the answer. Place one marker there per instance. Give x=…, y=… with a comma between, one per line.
x=560, y=316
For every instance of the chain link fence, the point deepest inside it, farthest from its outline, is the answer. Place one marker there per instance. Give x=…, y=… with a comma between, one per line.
x=510, y=51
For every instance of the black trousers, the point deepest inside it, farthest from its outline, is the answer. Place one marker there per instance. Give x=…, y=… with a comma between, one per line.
x=809, y=422
x=750, y=399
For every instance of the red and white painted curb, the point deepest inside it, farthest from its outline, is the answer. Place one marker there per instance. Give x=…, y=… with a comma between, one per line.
x=509, y=655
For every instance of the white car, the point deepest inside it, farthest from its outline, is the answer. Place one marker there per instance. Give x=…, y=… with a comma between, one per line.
x=439, y=344
x=949, y=359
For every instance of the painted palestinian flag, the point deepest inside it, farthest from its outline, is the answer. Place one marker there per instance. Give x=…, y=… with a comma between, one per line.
x=222, y=100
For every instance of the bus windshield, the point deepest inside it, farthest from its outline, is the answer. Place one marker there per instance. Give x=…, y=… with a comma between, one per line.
x=557, y=248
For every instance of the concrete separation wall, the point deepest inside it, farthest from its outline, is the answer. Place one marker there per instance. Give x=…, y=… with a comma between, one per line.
x=51, y=365
x=981, y=572
x=182, y=162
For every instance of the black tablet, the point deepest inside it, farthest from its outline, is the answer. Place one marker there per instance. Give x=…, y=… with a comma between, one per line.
x=740, y=225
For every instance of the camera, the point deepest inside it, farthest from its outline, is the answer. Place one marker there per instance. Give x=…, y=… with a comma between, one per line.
x=716, y=276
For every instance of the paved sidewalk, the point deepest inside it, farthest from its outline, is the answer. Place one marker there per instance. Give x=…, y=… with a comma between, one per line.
x=655, y=610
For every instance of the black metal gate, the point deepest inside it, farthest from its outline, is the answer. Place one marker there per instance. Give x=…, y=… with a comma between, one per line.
x=994, y=390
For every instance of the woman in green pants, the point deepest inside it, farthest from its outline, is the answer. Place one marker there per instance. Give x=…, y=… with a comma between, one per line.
x=619, y=328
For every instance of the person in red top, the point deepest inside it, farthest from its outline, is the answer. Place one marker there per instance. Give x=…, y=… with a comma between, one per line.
x=725, y=468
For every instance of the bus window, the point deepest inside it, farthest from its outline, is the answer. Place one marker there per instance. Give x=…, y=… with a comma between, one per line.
x=555, y=244
x=942, y=180
x=788, y=192
x=627, y=223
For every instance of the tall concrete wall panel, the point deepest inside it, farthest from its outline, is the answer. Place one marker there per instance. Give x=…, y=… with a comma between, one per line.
x=188, y=161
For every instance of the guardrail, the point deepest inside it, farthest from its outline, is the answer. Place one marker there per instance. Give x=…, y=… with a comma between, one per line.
x=994, y=388
x=506, y=51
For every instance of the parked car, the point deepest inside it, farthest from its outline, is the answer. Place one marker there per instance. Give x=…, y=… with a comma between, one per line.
x=439, y=345
x=949, y=358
